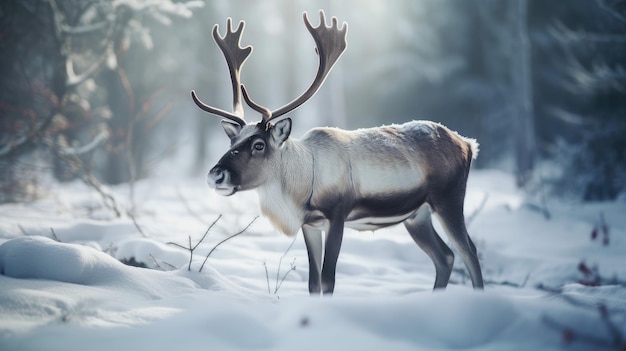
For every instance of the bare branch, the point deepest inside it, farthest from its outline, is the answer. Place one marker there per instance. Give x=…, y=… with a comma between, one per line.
x=207, y=231
x=54, y=235
x=191, y=248
x=280, y=263
x=225, y=240
x=58, y=19
x=13, y=144
x=108, y=198
x=190, y=253
x=74, y=80
x=92, y=145
x=88, y=28
x=63, y=30
x=267, y=277
x=84, y=173
x=179, y=245
x=18, y=143
x=78, y=167
x=155, y=261
x=291, y=269
x=131, y=214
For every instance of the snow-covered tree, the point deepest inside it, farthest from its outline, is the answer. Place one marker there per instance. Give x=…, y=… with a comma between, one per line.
x=593, y=75
x=52, y=96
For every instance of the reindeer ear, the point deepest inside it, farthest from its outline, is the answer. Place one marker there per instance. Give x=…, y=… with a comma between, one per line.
x=232, y=129
x=281, y=130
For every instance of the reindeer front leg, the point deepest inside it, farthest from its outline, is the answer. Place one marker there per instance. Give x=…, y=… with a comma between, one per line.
x=334, y=236
x=314, y=248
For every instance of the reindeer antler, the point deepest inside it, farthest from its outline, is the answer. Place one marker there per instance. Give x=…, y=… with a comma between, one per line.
x=235, y=57
x=330, y=43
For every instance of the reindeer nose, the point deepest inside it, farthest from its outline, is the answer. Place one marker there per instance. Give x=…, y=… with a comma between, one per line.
x=216, y=177
x=220, y=177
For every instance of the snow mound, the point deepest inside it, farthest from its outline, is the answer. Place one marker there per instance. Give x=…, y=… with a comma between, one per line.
x=476, y=318
x=146, y=251
x=44, y=258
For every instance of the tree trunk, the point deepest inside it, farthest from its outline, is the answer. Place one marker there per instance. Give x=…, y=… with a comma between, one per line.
x=116, y=170
x=524, y=126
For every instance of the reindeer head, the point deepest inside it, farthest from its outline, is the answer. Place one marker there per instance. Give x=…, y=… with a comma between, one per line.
x=254, y=150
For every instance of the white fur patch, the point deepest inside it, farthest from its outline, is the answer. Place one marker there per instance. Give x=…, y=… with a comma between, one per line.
x=280, y=209
x=473, y=146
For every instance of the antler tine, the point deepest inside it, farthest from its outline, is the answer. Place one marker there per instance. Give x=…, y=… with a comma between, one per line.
x=330, y=43
x=235, y=57
x=216, y=111
x=265, y=112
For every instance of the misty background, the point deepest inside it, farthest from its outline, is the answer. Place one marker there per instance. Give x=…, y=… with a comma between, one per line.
x=98, y=90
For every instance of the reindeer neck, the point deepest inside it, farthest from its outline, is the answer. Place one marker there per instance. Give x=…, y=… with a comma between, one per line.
x=283, y=198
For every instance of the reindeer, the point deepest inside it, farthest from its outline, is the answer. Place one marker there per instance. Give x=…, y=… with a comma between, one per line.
x=331, y=178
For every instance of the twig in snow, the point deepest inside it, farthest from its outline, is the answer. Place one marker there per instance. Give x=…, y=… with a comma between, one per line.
x=155, y=261
x=54, y=235
x=83, y=171
x=132, y=216
x=107, y=198
x=267, y=277
x=279, y=279
x=191, y=249
x=291, y=269
x=280, y=263
x=169, y=265
x=225, y=240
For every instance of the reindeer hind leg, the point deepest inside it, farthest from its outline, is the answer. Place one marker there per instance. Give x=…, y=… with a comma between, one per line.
x=421, y=230
x=450, y=213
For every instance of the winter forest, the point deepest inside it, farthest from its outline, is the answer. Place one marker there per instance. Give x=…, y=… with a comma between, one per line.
x=103, y=151
x=100, y=89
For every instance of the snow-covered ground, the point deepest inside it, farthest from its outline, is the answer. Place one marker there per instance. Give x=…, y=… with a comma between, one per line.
x=73, y=293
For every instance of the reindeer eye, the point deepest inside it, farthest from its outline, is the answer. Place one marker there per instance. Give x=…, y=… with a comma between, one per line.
x=259, y=146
